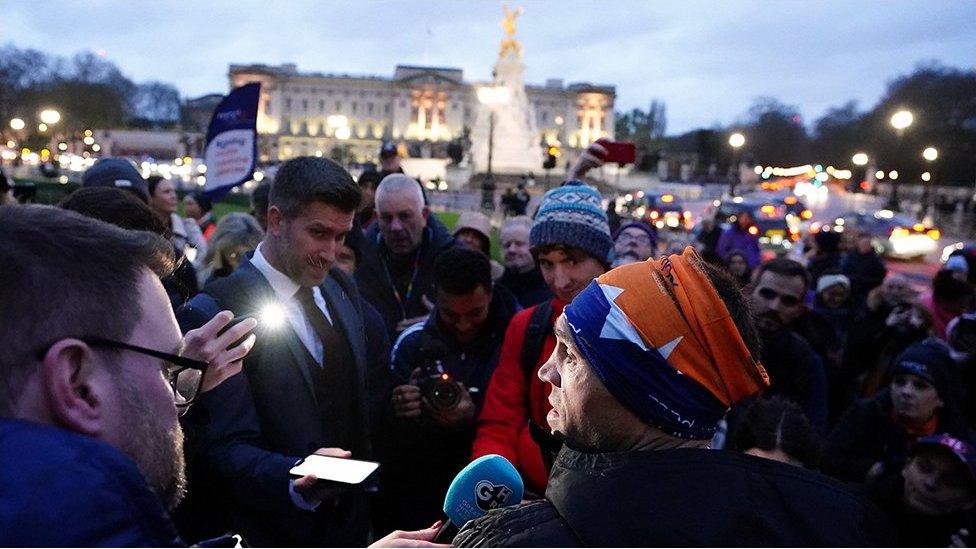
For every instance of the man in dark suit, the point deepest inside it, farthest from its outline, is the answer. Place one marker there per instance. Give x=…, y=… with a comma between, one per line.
x=303, y=388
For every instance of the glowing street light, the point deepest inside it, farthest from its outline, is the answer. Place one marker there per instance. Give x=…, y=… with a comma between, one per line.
x=50, y=116
x=17, y=124
x=860, y=159
x=736, y=141
x=930, y=154
x=901, y=120
x=926, y=176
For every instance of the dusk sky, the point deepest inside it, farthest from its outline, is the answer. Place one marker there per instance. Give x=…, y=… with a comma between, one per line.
x=706, y=60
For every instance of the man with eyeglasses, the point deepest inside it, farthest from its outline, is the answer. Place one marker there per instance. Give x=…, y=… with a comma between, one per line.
x=93, y=376
x=634, y=241
x=795, y=370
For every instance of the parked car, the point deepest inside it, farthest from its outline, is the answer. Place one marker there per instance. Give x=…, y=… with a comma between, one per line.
x=893, y=235
x=661, y=210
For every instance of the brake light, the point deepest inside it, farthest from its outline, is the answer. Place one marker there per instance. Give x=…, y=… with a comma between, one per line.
x=806, y=214
x=754, y=231
x=934, y=234
x=899, y=232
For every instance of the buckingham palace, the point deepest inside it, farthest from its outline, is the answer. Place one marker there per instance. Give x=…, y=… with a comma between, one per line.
x=425, y=110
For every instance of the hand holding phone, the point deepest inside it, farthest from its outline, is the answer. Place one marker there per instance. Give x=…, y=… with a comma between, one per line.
x=619, y=152
x=334, y=469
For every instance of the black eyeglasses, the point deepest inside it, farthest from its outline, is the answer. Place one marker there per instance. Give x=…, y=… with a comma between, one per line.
x=185, y=375
x=785, y=299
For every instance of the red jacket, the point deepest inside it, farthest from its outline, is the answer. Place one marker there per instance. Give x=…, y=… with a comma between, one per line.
x=509, y=403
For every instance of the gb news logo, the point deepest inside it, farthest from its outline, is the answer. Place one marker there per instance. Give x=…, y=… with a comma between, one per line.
x=491, y=496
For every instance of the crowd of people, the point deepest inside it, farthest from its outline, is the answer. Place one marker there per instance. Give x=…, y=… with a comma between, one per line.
x=647, y=392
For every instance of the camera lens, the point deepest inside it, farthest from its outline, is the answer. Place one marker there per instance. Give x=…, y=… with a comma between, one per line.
x=444, y=396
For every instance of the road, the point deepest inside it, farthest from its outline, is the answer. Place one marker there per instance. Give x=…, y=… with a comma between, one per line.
x=835, y=203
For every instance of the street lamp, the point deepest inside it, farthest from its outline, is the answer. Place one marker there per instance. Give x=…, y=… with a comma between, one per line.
x=50, y=116
x=860, y=159
x=930, y=154
x=17, y=124
x=901, y=120
x=491, y=97
x=736, y=141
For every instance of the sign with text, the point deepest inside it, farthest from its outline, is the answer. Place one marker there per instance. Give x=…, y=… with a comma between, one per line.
x=231, y=151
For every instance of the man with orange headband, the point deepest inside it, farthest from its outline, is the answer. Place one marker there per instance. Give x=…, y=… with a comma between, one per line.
x=649, y=358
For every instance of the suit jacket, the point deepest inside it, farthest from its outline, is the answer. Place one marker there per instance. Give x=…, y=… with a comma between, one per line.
x=249, y=431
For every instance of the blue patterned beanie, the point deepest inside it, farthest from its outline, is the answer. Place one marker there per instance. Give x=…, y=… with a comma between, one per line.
x=572, y=216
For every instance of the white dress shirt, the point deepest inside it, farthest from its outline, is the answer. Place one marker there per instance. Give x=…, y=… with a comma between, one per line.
x=286, y=288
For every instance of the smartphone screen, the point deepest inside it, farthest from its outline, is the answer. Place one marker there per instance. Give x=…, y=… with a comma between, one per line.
x=346, y=471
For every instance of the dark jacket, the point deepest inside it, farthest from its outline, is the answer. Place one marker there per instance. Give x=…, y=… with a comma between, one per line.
x=914, y=529
x=796, y=373
x=375, y=281
x=61, y=489
x=262, y=422
x=680, y=498
x=821, y=264
x=529, y=288
x=866, y=434
x=866, y=272
x=419, y=458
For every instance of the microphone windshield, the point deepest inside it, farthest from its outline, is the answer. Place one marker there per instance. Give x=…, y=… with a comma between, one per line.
x=486, y=483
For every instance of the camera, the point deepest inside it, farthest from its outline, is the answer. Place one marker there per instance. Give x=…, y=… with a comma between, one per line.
x=436, y=384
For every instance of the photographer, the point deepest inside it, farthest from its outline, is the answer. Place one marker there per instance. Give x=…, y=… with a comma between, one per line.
x=442, y=368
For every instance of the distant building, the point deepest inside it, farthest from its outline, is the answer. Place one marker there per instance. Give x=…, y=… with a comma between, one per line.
x=424, y=108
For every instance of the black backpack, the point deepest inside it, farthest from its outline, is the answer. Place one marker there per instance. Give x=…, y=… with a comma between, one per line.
x=535, y=337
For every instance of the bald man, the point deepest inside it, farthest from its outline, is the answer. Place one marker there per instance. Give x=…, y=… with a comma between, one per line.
x=395, y=274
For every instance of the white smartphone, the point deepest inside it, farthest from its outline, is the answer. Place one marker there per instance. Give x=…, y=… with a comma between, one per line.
x=346, y=471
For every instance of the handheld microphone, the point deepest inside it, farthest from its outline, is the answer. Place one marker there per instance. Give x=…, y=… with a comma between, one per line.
x=487, y=483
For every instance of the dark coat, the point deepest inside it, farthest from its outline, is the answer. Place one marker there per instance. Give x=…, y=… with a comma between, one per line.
x=865, y=271
x=376, y=284
x=419, y=458
x=529, y=288
x=262, y=422
x=866, y=435
x=680, y=498
x=61, y=489
x=796, y=373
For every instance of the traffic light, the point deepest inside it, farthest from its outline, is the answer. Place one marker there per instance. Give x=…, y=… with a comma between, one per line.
x=552, y=152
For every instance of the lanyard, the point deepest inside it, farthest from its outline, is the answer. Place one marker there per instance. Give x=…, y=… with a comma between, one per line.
x=403, y=300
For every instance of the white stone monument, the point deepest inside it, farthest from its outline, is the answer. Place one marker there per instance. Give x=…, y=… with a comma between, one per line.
x=505, y=121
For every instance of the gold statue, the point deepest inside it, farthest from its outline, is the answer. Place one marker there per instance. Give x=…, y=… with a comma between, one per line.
x=509, y=43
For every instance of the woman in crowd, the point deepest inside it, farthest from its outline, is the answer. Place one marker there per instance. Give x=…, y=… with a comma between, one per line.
x=737, y=263
x=235, y=235
x=184, y=233
x=876, y=432
x=198, y=207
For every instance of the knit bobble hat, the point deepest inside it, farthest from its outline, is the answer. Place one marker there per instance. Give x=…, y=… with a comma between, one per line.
x=572, y=216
